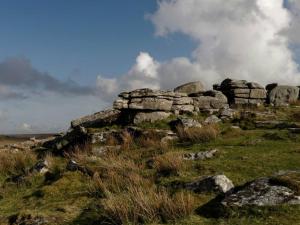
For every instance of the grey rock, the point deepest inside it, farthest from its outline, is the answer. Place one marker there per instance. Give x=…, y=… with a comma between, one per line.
x=283, y=95
x=154, y=104
x=263, y=192
x=258, y=94
x=190, y=88
x=41, y=166
x=201, y=155
x=210, y=100
x=103, y=118
x=186, y=123
x=120, y=103
x=218, y=183
x=227, y=113
x=150, y=117
x=72, y=137
x=213, y=119
x=181, y=109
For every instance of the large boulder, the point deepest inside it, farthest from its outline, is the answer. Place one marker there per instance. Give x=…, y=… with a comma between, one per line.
x=103, y=118
x=190, y=88
x=283, y=95
x=241, y=92
x=280, y=189
x=209, y=100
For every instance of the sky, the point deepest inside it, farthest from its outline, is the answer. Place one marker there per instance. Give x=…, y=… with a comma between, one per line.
x=60, y=60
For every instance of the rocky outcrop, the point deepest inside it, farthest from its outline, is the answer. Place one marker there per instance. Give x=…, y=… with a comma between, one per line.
x=281, y=189
x=241, y=92
x=99, y=119
x=283, y=95
x=74, y=136
x=190, y=88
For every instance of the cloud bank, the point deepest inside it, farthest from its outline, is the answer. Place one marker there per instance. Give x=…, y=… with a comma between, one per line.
x=18, y=78
x=236, y=38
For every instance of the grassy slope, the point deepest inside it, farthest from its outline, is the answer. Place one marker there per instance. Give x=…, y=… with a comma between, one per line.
x=243, y=156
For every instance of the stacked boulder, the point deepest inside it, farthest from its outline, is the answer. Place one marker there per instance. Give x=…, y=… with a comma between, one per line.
x=241, y=92
x=281, y=95
x=146, y=105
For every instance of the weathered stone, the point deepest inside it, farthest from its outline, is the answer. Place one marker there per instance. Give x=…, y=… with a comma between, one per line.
x=258, y=94
x=146, y=92
x=120, y=104
x=210, y=99
x=185, y=123
x=179, y=109
x=241, y=91
x=169, y=139
x=150, y=117
x=218, y=183
x=256, y=102
x=41, y=166
x=213, y=119
x=227, y=113
x=103, y=118
x=283, y=95
x=183, y=101
x=154, y=104
x=74, y=166
x=77, y=135
x=272, y=191
x=240, y=101
x=201, y=155
x=190, y=88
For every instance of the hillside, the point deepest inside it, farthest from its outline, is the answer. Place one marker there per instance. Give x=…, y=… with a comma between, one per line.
x=189, y=156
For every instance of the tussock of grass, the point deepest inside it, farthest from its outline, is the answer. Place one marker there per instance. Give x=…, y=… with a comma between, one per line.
x=198, y=134
x=14, y=163
x=168, y=164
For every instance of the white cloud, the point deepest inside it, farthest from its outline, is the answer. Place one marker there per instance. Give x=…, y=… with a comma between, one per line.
x=236, y=38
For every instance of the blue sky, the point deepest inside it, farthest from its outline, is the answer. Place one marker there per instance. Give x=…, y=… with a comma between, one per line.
x=60, y=60
x=80, y=39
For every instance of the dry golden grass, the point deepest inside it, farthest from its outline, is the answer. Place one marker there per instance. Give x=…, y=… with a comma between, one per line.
x=131, y=198
x=139, y=205
x=168, y=164
x=198, y=134
x=13, y=163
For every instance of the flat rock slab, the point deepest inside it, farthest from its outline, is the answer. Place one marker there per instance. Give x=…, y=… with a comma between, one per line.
x=103, y=118
x=281, y=189
x=190, y=88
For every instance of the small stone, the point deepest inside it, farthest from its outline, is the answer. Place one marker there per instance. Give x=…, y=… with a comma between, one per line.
x=218, y=183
